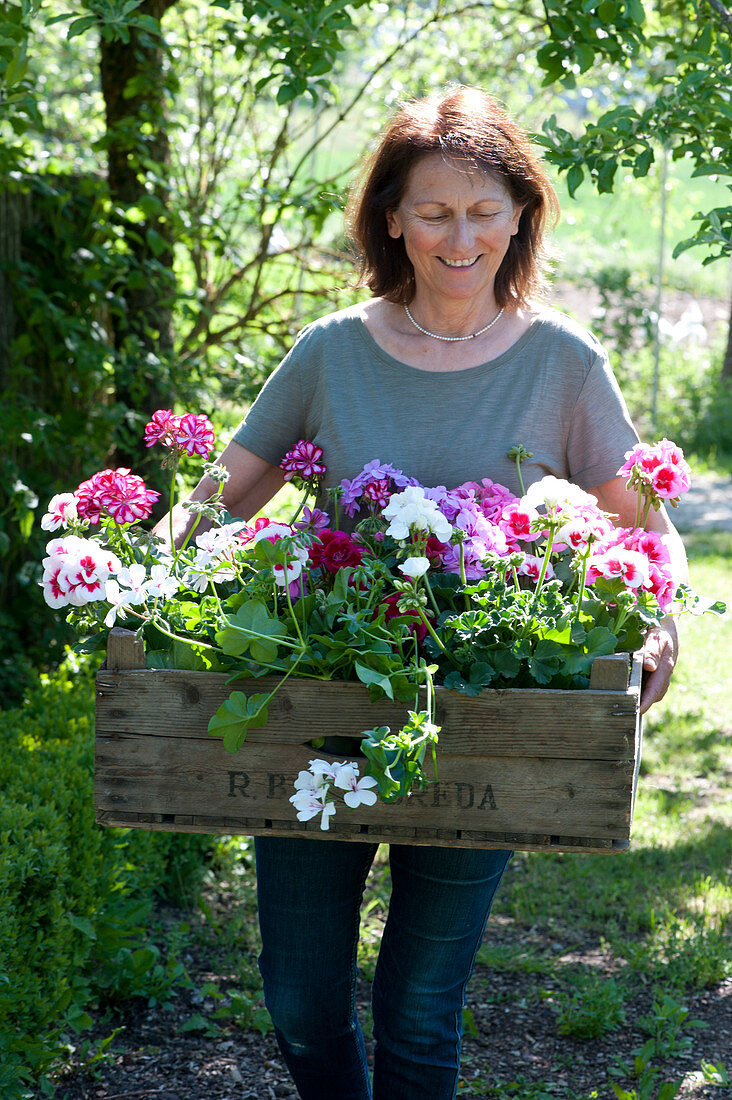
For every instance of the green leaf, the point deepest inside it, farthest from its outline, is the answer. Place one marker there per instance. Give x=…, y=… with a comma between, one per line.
x=157, y=243
x=193, y=657
x=252, y=629
x=574, y=178
x=643, y=162
x=235, y=715
x=80, y=25
x=370, y=676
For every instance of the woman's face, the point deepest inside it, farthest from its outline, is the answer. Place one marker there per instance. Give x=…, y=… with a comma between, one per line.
x=457, y=224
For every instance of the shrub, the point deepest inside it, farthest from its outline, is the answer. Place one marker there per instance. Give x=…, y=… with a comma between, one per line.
x=74, y=898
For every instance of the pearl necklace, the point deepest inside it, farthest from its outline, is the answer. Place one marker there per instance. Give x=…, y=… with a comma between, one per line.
x=453, y=339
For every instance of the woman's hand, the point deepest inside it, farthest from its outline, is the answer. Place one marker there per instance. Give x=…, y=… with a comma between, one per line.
x=660, y=652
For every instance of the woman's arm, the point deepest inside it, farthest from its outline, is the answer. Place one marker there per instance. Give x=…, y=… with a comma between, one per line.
x=252, y=482
x=661, y=647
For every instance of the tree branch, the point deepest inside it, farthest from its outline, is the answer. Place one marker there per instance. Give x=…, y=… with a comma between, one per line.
x=724, y=13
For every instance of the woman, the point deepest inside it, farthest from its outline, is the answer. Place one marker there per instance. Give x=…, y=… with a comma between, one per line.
x=441, y=372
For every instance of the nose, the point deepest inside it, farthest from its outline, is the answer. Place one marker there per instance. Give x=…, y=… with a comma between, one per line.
x=462, y=234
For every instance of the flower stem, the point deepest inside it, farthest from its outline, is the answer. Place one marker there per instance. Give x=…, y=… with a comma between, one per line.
x=171, y=505
x=299, y=509
x=581, y=589
x=431, y=595
x=520, y=475
x=463, y=578
x=435, y=638
x=544, y=566
x=292, y=610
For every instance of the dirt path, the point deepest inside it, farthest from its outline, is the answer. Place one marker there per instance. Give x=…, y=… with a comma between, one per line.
x=513, y=1048
x=707, y=505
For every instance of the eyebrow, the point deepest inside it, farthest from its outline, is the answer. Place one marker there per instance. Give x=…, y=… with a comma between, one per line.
x=438, y=202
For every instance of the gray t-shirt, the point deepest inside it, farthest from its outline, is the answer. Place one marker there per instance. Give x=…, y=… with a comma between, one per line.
x=553, y=391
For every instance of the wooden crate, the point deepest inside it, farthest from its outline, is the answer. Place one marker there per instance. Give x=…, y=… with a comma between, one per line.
x=529, y=769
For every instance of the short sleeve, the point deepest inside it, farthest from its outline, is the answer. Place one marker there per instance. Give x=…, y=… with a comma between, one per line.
x=276, y=420
x=601, y=430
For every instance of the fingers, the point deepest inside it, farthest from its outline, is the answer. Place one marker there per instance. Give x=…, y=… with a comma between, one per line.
x=659, y=658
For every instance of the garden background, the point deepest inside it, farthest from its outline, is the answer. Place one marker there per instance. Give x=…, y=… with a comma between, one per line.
x=173, y=179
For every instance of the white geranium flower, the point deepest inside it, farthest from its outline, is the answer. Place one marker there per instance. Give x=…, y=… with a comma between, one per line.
x=358, y=791
x=161, y=583
x=555, y=493
x=412, y=508
x=308, y=804
x=414, y=567
x=274, y=531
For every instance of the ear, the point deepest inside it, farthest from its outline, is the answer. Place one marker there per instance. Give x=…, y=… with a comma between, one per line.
x=393, y=224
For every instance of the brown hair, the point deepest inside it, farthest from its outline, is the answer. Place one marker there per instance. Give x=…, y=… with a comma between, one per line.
x=467, y=125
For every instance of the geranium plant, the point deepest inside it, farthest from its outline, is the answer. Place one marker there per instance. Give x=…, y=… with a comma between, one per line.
x=464, y=588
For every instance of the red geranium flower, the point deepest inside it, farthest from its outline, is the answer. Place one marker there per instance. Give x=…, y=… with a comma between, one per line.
x=334, y=550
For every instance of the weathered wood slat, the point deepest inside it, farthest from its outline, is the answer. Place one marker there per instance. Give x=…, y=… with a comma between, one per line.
x=382, y=834
x=168, y=703
x=579, y=798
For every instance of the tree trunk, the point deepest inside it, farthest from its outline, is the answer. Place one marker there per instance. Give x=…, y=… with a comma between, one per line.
x=136, y=139
x=727, y=361
x=15, y=212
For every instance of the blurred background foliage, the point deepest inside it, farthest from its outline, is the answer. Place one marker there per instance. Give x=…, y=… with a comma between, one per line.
x=173, y=182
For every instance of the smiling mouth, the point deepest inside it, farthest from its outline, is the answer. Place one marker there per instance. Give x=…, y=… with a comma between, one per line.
x=459, y=263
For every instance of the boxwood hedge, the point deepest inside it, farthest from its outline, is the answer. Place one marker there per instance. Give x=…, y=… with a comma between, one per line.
x=74, y=898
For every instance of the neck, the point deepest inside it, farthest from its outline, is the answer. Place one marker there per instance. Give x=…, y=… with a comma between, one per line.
x=453, y=318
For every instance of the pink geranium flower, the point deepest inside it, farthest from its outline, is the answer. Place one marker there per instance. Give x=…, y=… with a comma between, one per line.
x=302, y=465
x=160, y=427
x=194, y=434
x=118, y=494
x=516, y=520
x=189, y=433
x=669, y=481
x=659, y=468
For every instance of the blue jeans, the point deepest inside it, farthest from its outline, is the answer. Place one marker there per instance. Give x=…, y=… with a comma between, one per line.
x=310, y=892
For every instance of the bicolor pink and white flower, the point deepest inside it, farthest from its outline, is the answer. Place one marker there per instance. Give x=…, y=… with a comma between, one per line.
x=75, y=571
x=159, y=428
x=185, y=433
x=119, y=494
x=302, y=463
x=660, y=467
x=531, y=567
x=61, y=512
x=377, y=492
x=619, y=563
x=194, y=434
x=518, y=521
